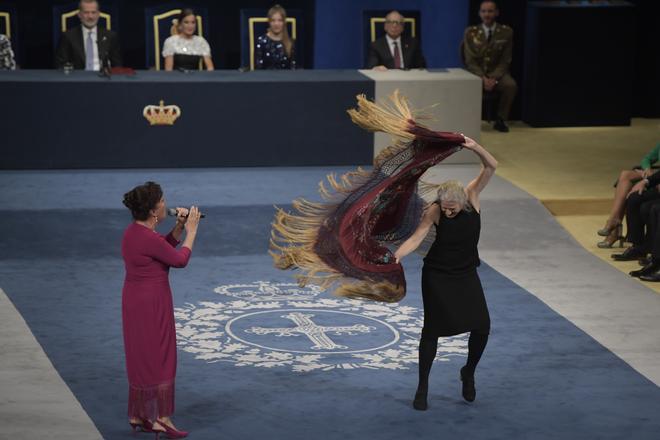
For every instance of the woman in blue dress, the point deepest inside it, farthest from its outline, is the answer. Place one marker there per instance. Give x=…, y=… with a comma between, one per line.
x=275, y=49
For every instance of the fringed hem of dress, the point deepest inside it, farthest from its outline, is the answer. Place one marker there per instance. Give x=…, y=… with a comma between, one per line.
x=151, y=402
x=345, y=239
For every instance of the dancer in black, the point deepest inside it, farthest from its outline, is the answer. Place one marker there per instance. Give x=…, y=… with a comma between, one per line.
x=454, y=300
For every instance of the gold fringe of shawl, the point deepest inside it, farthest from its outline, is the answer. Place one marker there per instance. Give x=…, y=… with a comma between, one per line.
x=393, y=117
x=293, y=235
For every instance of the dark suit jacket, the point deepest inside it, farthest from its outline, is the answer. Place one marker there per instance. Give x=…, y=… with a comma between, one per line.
x=380, y=54
x=72, y=50
x=654, y=179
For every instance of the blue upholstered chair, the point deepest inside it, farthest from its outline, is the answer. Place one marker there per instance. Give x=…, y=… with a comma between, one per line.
x=159, y=25
x=254, y=22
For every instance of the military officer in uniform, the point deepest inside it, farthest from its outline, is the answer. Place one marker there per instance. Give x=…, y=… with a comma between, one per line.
x=487, y=50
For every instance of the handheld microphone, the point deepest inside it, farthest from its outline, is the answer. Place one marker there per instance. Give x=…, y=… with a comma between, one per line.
x=172, y=212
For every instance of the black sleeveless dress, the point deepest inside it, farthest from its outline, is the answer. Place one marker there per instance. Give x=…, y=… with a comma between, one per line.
x=454, y=300
x=186, y=61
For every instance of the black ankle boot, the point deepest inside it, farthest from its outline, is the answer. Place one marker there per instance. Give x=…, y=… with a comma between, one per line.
x=469, y=392
x=420, y=402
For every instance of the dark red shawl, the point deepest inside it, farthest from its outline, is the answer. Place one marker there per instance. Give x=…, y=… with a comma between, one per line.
x=346, y=240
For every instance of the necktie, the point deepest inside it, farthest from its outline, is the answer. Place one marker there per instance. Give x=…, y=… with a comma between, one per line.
x=397, y=56
x=490, y=35
x=89, y=52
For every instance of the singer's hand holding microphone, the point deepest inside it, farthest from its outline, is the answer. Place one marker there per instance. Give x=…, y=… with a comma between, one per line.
x=189, y=218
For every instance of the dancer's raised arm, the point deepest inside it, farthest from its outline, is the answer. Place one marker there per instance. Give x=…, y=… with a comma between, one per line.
x=489, y=164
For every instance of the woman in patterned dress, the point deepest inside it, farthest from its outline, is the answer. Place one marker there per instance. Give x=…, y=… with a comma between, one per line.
x=275, y=50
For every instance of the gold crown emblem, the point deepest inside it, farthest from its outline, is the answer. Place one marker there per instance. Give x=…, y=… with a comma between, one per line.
x=161, y=114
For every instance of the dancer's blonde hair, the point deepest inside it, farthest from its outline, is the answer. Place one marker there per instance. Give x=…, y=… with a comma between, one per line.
x=453, y=191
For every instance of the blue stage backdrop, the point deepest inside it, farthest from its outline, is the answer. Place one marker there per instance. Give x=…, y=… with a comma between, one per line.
x=338, y=32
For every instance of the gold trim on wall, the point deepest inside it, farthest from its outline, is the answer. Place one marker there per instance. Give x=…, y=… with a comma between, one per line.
x=7, y=17
x=64, y=17
x=374, y=20
x=163, y=16
x=253, y=20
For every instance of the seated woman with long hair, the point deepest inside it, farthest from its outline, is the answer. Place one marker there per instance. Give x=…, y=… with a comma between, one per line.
x=275, y=49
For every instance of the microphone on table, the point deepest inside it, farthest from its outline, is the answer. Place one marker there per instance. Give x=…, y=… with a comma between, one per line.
x=104, y=59
x=172, y=212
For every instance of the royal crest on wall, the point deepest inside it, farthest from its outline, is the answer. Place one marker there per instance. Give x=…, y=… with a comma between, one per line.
x=161, y=114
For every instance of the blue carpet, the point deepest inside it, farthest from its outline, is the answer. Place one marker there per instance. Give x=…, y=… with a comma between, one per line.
x=240, y=377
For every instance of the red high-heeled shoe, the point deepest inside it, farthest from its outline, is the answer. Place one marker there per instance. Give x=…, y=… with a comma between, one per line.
x=169, y=431
x=140, y=426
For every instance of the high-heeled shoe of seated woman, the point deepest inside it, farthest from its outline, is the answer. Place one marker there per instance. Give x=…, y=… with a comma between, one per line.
x=609, y=226
x=615, y=235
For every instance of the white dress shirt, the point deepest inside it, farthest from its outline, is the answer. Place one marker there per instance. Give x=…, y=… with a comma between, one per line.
x=491, y=29
x=85, y=31
x=390, y=43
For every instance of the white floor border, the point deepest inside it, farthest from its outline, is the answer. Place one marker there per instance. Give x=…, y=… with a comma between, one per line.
x=34, y=400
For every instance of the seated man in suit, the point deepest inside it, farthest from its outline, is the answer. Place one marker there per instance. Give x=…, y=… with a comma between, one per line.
x=487, y=52
x=88, y=46
x=394, y=51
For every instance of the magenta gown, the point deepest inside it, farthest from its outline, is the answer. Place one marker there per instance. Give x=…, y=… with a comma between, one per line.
x=148, y=320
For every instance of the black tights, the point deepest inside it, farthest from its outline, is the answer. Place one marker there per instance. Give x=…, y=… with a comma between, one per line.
x=428, y=346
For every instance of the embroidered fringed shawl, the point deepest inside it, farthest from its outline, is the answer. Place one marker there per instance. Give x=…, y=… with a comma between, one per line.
x=345, y=240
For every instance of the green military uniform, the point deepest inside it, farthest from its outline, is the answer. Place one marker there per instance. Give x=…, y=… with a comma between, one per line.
x=492, y=59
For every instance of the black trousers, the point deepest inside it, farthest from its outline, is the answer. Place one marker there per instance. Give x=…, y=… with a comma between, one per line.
x=653, y=231
x=638, y=209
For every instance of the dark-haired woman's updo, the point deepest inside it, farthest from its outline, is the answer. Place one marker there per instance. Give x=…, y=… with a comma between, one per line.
x=183, y=14
x=142, y=199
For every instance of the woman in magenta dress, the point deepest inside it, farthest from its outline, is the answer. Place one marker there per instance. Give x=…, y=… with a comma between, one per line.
x=147, y=309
